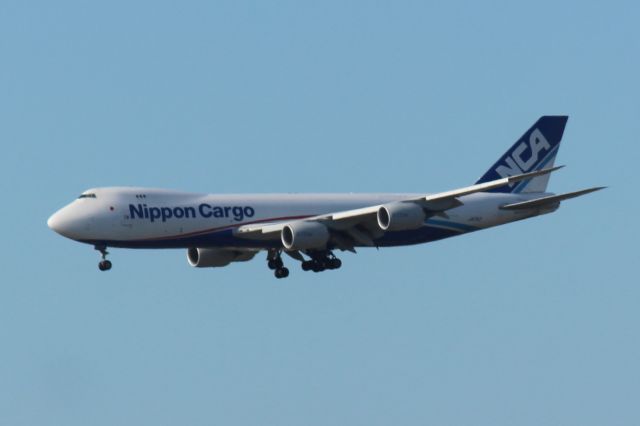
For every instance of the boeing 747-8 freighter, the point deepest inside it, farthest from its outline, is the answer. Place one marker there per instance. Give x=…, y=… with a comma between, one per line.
x=217, y=230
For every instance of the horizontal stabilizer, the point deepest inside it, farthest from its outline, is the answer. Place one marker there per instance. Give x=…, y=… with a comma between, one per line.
x=550, y=200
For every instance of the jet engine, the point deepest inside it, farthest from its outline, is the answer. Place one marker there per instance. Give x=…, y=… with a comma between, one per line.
x=400, y=216
x=305, y=235
x=213, y=257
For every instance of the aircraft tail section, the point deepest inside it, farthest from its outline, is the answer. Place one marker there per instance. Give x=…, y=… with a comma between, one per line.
x=535, y=150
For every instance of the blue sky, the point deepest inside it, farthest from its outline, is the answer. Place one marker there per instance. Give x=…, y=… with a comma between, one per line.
x=531, y=323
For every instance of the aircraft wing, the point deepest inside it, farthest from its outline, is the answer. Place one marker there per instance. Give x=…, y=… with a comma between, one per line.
x=360, y=225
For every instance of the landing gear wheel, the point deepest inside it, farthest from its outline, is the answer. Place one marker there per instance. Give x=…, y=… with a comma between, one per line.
x=282, y=272
x=321, y=261
x=104, y=265
x=318, y=266
x=334, y=263
x=274, y=261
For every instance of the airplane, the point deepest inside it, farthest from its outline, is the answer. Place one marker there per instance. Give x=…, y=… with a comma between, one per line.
x=217, y=230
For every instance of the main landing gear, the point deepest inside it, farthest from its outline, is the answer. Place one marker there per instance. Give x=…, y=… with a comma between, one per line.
x=104, y=264
x=274, y=262
x=320, y=261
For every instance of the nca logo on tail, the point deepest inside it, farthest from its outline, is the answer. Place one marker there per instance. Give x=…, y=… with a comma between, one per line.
x=515, y=164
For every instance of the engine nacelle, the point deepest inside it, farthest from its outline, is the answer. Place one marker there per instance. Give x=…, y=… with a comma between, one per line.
x=304, y=235
x=215, y=257
x=400, y=217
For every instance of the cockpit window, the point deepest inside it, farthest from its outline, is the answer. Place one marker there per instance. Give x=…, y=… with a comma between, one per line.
x=88, y=195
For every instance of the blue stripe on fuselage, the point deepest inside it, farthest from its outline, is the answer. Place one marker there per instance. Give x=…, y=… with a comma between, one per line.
x=453, y=225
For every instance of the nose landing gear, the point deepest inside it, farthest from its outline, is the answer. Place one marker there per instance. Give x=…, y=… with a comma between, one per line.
x=104, y=264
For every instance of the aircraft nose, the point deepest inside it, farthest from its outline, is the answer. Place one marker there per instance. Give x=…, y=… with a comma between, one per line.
x=56, y=222
x=64, y=223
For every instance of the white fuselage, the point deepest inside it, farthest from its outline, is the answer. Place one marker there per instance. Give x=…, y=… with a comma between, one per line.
x=156, y=218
